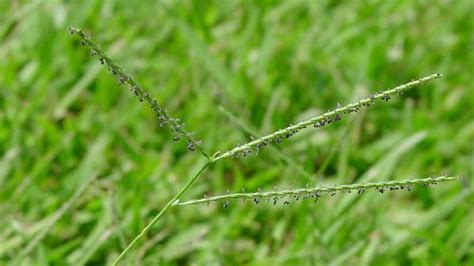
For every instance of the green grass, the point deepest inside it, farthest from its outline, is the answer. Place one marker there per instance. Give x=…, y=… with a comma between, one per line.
x=230, y=70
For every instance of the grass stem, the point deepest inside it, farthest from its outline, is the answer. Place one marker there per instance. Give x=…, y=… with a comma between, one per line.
x=165, y=209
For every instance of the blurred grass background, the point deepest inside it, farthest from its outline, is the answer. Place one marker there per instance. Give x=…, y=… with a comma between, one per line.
x=223, y=67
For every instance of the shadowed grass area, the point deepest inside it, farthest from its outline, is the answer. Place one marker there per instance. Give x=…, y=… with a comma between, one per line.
x=232, y=70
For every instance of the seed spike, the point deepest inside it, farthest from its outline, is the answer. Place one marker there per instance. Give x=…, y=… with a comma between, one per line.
x=326, y=118
x=142, y=95
x=317, y=191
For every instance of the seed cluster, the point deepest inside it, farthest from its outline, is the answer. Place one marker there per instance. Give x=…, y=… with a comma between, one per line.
x=175, y=125
x=286, y=196
x=320, y=121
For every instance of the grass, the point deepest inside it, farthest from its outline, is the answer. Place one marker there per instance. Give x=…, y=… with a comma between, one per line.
x=269, y=64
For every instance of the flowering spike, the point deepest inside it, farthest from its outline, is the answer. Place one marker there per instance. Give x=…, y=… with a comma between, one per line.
x=325, y=118
x=165, y=119
x=316, y=191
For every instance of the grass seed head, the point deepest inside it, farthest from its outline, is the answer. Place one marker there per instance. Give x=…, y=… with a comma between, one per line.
x=316, y=192
x=165, y=120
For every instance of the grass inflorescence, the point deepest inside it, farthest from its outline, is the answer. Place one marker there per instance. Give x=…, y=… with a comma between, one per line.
x=165, y=120
x=177, y=127
x=316, y=192
x=321, y=120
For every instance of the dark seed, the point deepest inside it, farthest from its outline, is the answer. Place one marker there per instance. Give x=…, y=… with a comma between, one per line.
x=191, y=146
x=256, y=201
x=256, y=150
x=225, y=204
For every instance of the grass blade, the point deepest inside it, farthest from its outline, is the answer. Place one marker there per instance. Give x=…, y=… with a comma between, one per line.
x=59, y=213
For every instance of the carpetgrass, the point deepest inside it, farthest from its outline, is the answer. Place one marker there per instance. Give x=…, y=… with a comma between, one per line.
x=84, y=167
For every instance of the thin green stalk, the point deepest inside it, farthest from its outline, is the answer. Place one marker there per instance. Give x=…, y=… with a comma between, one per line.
x=318, y=191
x=321, y=120
x=161, y=213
